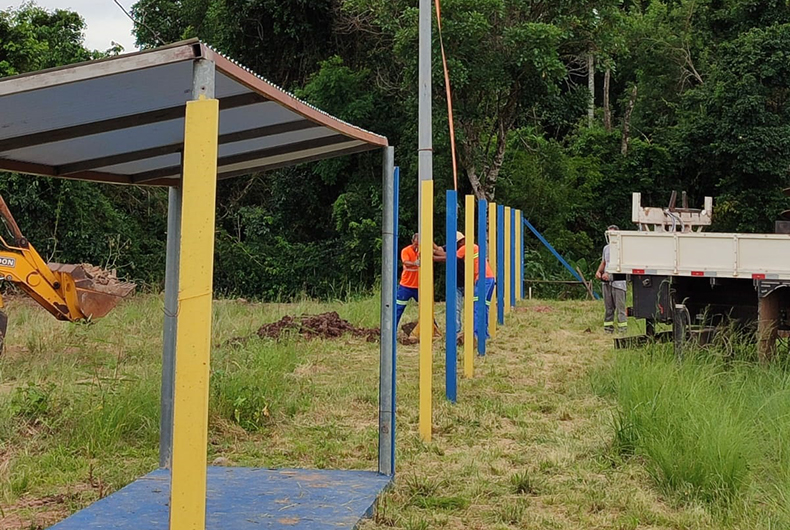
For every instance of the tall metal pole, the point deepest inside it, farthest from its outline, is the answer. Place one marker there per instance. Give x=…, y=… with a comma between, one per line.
x=387, y=355
x=425, y=169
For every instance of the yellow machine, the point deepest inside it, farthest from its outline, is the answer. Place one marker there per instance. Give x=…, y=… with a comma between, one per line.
x=69, y=292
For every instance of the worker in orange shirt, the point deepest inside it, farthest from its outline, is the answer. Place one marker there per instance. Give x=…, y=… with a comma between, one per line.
x=410, y=279
x=490, y=280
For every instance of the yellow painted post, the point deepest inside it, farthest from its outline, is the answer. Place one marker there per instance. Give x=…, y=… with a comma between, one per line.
x=519, y=263
x=193, y=335
x=469, y=286
x=508, y=268
x=492, y=315
x=426, y=309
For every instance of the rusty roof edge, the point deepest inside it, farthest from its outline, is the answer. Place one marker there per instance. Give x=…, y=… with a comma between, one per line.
x=258, y=83
x=118, y=64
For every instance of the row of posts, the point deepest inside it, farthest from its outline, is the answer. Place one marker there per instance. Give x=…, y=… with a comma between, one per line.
x=498, y=235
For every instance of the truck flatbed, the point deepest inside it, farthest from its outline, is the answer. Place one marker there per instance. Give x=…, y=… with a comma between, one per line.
x=700, y=254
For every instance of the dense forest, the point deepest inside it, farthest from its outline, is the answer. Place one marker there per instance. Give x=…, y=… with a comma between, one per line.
x=562, y=108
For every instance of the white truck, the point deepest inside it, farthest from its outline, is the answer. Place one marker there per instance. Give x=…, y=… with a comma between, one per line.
x=696, y=280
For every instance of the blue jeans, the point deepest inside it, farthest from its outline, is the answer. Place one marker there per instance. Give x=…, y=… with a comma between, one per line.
x=404, y=295
x=490, y=284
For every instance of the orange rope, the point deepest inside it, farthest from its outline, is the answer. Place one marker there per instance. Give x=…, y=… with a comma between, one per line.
x=449, y=95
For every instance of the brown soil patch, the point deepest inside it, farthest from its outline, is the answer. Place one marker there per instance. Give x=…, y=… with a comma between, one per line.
x=30, y=512
x=107, y=280
x=408, y=327
x=407, y=340
x=321, y=326
x=535, y=309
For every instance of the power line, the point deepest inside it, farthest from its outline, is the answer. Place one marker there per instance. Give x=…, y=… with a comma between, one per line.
x=142, y=23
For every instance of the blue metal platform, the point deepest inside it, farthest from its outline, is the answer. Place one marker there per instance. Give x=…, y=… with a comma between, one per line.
x=243, y=499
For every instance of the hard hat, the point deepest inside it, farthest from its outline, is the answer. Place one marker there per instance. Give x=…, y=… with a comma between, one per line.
x=459, y=236
x=613, y=227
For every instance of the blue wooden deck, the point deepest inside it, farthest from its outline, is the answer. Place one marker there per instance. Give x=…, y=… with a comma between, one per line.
x=243, y=499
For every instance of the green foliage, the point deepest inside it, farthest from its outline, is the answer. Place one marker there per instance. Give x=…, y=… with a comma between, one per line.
x=709, y=429
x=523, y=483
x=32, y=402
x=735, y=129
x=32, y=38
x=710, y=116
x=249, y=30
x=74, y=222
x=70, y=221
x=260, y=394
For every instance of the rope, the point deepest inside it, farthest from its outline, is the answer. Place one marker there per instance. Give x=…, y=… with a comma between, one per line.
x=449, y=95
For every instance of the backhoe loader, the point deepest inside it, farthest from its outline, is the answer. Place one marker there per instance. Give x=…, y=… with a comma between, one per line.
x=68, y=292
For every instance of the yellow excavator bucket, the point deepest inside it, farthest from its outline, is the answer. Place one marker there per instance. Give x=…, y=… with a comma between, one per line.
x=97, y=291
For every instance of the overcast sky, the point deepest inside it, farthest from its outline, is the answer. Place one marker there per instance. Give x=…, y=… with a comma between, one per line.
x=105, y=20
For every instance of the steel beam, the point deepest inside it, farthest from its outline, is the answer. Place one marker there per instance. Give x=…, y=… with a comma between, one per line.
x=171, y=322
x=387, y=352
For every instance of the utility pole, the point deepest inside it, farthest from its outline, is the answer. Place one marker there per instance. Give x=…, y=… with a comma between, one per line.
x=425, y=167
x=425, y=172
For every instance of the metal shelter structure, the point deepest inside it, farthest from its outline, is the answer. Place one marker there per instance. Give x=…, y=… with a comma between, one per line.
x=184, y=116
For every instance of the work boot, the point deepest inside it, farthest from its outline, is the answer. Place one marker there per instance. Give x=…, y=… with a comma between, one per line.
x=609, y=329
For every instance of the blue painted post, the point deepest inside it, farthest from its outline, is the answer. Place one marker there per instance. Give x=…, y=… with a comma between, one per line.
x=451, y=349
x=396, y=252
x=522, y=261
x=512, y=241
x=482, y=235
x=500, y=262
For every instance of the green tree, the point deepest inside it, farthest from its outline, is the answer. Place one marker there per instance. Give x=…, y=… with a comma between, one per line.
x=282, y=41
x=72, y=221
x=733, y=137
x=32, y=38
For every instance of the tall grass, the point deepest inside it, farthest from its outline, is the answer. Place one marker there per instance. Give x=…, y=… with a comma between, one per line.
x=251, y=385
x=79, y=404
x=712, y=428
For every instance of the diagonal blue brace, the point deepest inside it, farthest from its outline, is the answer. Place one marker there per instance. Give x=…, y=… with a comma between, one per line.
x=556, y=254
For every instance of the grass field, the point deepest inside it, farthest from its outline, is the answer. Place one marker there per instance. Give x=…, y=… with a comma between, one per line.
x=555, y=431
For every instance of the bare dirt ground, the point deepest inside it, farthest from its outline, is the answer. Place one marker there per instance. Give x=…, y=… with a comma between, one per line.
x=322, y=326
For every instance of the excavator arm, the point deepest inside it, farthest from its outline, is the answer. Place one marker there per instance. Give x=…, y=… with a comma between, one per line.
x=68, y=292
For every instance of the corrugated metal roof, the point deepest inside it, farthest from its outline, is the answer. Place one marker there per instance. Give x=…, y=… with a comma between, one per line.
x=121, y=120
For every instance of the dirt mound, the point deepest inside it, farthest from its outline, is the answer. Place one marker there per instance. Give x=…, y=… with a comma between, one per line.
x=87, y=276
x=408, y=327
x=99, y=275
x=108, y=279
x=321, y=326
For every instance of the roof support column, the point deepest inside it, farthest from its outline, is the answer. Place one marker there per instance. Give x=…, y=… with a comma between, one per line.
x=389, y=250
x=171, y=321
x=195, y=278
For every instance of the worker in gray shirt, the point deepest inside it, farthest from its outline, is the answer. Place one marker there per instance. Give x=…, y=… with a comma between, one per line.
x=613, y=294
